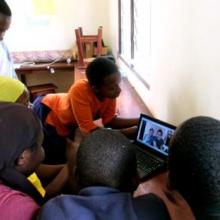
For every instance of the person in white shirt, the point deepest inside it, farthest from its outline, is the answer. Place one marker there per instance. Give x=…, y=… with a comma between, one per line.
x=6, y=64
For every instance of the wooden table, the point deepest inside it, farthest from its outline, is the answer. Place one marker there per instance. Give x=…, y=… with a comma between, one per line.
x=28, y=69
x=176, y=205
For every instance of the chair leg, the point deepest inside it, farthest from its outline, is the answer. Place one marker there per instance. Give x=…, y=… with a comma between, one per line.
x=99, y=42
x=80, y=49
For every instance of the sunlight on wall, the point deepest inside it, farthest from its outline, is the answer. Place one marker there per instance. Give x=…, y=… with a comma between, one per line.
x=185, y=60
x=185, y=48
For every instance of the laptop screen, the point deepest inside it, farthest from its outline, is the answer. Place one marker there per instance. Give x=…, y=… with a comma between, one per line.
x=154, y=134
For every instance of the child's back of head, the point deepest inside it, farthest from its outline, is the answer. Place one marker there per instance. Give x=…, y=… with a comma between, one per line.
x=194, y=162
x=106, y=158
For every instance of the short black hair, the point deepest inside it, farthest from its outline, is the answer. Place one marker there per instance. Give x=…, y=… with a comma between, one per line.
x=98, y=69
x=106, y=158
x=4, y=8
x=159, y=130
x=194, y=161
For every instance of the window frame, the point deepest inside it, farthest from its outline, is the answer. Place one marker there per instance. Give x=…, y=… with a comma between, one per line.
x=120, y=55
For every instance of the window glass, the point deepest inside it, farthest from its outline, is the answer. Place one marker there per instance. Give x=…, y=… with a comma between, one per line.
x=125, y=29
x=135, y=35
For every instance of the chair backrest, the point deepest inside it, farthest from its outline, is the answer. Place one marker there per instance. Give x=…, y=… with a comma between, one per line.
x=83, y=41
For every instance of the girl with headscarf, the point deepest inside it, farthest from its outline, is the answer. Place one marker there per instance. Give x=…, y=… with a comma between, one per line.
x=12, y=90
x=21, y=153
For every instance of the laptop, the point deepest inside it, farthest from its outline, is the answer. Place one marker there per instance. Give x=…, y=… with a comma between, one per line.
x=152, y=146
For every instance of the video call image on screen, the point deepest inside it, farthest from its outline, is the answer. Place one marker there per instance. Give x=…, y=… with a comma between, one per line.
x=154, y=135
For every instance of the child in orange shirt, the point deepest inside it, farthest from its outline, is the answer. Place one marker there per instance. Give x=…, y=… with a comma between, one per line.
x=87, y=100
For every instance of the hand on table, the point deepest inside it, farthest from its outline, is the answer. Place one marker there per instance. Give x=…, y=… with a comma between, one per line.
x=129, y=132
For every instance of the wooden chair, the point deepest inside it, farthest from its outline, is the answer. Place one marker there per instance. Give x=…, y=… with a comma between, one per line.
x=84, y=42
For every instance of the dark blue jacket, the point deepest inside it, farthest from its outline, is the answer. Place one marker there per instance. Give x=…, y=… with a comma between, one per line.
x=103, y=203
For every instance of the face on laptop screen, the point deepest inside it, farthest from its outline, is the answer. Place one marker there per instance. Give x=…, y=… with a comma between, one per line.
x=155, y=134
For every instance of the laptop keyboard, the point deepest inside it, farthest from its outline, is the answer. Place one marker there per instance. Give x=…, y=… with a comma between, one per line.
x=146, y=163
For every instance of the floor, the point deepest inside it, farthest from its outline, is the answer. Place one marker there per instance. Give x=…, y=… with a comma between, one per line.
x=129, y=103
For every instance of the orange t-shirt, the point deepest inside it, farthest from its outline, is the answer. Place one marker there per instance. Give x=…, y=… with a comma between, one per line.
x=79, y=107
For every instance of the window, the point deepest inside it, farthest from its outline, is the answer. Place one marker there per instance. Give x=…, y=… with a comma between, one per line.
x=134, y=33
x=125, y=45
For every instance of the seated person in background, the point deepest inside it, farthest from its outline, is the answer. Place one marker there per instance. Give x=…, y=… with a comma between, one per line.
x=194, y=165
x=106, y=173
x=168, y=137
x=158, y=141
x=6, y=65
x=149, y=138
x=20, y=155
x=86, y=101
x=53, y=177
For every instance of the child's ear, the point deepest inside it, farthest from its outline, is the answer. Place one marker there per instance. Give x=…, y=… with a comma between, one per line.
x=95, y=89
x=22, y=159
x=131, y=184
x=135, y=181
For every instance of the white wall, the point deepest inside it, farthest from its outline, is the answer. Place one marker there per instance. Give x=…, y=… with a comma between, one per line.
x=185, y=51
x=185, y=59
x=60, y=34
x=171, y=95
x=113, y=25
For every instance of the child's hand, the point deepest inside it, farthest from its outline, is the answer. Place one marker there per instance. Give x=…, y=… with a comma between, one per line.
x=79, y=136
x=129, y=132
x=72, y=148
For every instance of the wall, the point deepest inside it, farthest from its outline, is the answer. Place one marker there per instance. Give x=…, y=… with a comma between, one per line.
x=185, y=52
x=171, y=96
x=113, y=25
x=185, y=60
x=59, y=34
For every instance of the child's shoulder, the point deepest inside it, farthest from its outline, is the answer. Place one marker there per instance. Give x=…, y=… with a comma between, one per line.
x=17, y=201
x=81, y=83
x=81, y=86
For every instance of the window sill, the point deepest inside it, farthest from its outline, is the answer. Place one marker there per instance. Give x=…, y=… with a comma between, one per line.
x=131, y=68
